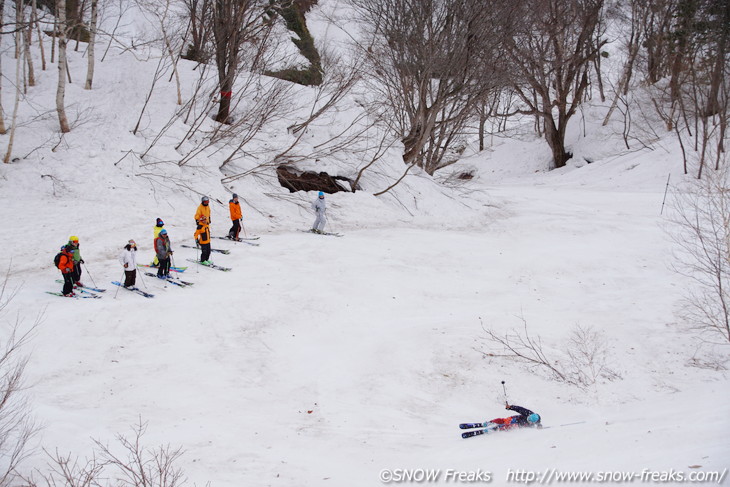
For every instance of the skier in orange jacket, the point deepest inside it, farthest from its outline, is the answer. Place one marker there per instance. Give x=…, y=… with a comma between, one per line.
x=235, y=208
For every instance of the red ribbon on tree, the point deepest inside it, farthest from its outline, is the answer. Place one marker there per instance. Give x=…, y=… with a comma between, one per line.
x=226, y=94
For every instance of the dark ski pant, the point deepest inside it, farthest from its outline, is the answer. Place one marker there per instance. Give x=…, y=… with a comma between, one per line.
x=204, y=252
x=68, y=282
x=164, y=269
x=77, y=272
x=130, y=278
x=235, y=229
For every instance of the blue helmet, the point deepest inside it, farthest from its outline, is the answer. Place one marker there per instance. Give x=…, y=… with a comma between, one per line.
x=321, y=194
x=163, y=232
x=533, y=418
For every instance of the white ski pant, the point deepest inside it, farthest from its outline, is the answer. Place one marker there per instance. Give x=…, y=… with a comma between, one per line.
x=319, y=222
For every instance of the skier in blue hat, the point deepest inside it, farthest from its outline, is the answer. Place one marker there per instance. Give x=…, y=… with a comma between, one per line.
x=319, y=209
x=525, y=418
x=164, y=254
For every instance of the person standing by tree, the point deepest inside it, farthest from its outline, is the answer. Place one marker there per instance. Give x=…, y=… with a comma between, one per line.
x=156, y=231
x=320, y=208
x=203, y=210
x=73, y=242
x=235, y=209
x=164, y=254
x=128, y=258
x=202, y=238
x=66, y=266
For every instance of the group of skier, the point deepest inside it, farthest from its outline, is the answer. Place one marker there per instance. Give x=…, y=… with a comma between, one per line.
x=69, y=260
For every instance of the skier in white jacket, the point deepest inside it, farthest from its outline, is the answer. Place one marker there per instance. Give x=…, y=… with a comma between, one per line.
x=319, y=209
x=128, y=259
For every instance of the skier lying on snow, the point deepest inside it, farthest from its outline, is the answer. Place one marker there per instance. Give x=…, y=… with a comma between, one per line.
x=525, y=418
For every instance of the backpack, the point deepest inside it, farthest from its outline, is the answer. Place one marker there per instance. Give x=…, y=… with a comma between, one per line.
x=57, y=259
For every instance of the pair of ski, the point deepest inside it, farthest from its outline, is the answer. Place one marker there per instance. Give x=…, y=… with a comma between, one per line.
x=220, y=251
x=245, y=240
x=134, y=290
x=211, y=265
x=171, y=280
x=172, y=268
x=87, y=292
x=484, y=428
x=75, y=295
x=329, y=234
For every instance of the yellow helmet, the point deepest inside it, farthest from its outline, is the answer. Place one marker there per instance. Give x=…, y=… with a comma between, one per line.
x=73, y=238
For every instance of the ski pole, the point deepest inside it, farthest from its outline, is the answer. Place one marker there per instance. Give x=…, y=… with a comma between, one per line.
x=143, y=281
x=89, y=274
x=243, y=228
x=120, y=282
x=665, y=193
x=504, y=388
x=197, y=257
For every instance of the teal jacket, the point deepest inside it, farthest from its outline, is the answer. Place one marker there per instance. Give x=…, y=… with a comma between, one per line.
x=77, y=252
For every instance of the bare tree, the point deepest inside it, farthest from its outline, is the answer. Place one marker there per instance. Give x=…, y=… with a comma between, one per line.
x=701, y=229
x=198, y=12
x=583, y=361
x=551, y=53
x=3, y=130
x=137, y=466
x=127, y=463
x=632, y=41
x=430, y=62
x=69, y=471
x=694, y=101
x=62, y=66
x=657, y=32
x=27, y=28
x=92, y=41
x=720, y=27
x=19, y=41
x=37, y=24
x=16, y=423
x=234, y=22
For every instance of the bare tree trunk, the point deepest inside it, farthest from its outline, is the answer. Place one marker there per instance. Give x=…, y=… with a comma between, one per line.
x=78, y=26
x=28, y=32
x=62, y=67
x=717, y=78
x=170, y=51
x=555, y=136
x=37, y=24
x=18, y=75
x=55, y=34
x=3, y=130
x=632, y=48
x=92, y=40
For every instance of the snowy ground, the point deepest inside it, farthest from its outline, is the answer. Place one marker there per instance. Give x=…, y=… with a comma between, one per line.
x=379, y=334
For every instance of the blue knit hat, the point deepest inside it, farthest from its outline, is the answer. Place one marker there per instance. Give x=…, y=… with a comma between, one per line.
x=321, y=194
